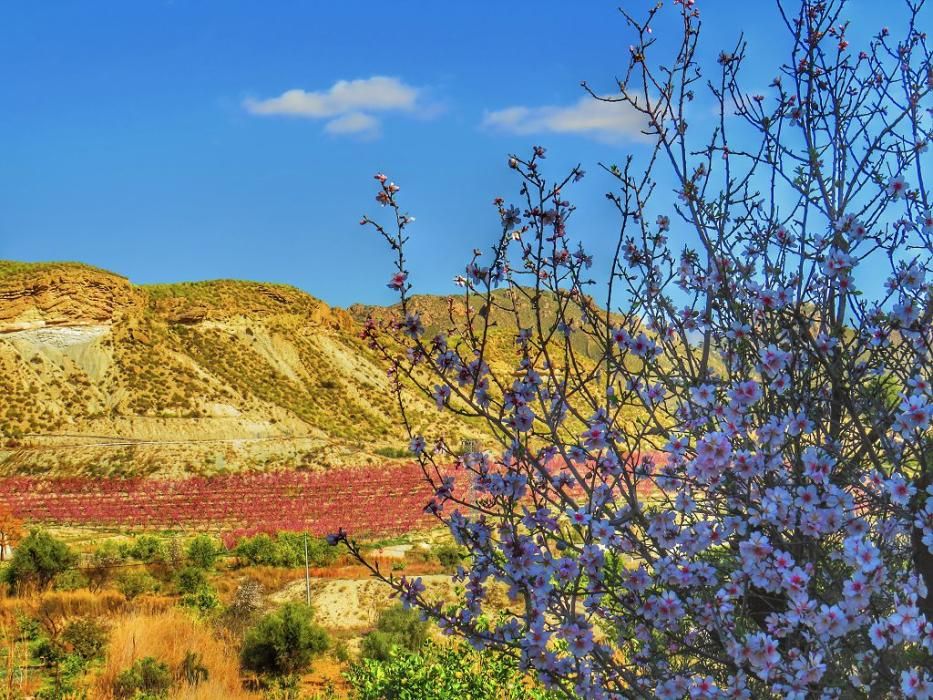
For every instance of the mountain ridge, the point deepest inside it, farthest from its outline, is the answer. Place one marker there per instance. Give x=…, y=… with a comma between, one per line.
x=105, y=377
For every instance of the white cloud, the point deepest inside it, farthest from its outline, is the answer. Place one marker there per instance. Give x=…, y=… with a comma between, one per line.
x=606, y=121
x=348, y=105
x=353, y=123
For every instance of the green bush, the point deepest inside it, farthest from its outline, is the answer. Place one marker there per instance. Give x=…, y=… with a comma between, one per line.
x=70, y=580
x=62, y=681
x=284, y=642
x=65, y=656
x=204, y=599
x=258, y=550
x=396, y=628
x=145, y=548
x=449, y=555
x=37, y=560
x=135, y=583
x=147, y=678
x=47, y=652
x=86, y=638
x=29, y=628
x=442, y=673
x=286, y=549
x=190, y=579
x=203, y=551
x=103, y=562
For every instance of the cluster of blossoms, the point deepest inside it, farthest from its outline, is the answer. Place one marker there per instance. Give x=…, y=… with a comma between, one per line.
x=717, y=483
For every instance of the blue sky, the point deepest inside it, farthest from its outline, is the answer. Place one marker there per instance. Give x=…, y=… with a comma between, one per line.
x=193, y=140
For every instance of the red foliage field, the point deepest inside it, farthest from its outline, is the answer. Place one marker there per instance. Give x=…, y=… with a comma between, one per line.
x=373, y=501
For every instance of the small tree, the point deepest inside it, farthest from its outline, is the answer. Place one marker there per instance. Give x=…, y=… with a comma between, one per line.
x=190, y=579
x=284, y=642
x=85, y=637
x=147, y=549
x=103, y=562
x=203, y=551
x=244, y=607
x=38, y=559
x=136, y=583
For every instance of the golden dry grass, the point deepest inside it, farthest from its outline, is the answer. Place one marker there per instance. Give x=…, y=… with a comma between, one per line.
x=168, y=636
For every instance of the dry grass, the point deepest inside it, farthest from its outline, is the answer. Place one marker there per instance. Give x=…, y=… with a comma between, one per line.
x=168, y=636
x=271, y=578
x=81, y=603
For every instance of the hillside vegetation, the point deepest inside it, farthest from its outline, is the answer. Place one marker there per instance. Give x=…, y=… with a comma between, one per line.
x=103, y=377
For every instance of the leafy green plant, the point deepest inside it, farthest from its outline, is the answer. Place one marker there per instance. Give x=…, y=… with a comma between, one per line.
x=38, y=559
x=396, y=628
x=145, y=548
x=284, y=642
x=203, y=599
x=148, y=678
x=102, y=563
x=190, y=579
x=441, y=673
x=135, y=583
x=449, y=555
x=70, y=580
x=203, y=551
x=86, y=638
x=394, y=452
x=286, y=549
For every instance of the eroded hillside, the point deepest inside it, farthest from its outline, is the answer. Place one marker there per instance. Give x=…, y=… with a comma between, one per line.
x=100, y=376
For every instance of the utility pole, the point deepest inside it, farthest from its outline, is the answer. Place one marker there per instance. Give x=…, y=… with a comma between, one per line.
x=307, y=573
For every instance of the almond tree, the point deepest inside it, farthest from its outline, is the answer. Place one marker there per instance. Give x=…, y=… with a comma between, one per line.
x=716, y=472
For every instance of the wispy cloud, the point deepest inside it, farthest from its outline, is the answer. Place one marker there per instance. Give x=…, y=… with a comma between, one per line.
x=605, y=121
x=348, y=106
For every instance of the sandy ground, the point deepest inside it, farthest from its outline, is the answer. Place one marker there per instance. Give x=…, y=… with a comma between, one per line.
x=353, y=604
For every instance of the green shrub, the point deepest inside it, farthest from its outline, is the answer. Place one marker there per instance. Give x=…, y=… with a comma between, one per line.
x=319, y=552
x=147, y=678
x=86, y=638
x=103, y=561
x=190, y=579
x=204, y=599
x=442, y=673
x=47, y=652
x=37, y=560
x=284, y=642
x=203, y=551
x=258, y=551
x=396, y=628
x=286, y=549
x=146, y=548
x=70, y=580
x=449, y=555
x=134, y=583
x=61, y=682
x=29, y=628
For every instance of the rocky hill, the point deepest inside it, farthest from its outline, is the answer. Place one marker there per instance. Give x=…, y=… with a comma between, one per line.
x=101, y=376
